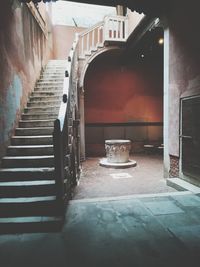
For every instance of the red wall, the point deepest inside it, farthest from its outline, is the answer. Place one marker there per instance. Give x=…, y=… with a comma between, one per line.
x=117, y=92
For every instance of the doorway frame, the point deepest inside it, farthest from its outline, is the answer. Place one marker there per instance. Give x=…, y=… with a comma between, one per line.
x=183, y=176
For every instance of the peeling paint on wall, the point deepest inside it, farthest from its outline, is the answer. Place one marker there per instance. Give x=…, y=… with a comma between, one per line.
x=14, y=94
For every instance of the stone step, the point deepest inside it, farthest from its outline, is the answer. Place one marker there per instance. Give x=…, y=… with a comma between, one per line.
x=46, y=93
x=30, y=150
x=39, y=116
x=27, y=188
x=49, y=79
x=28, y=206
x=26, y=174
x=32, y=140
x=53, y=88
x=36, y=123
x=52, y=76
x=27, y=161
x=44, y=103
x=44, y=98
x=30, y=224
x=47, y=83
x=54, y=71
x=34, y=110
x=34, y=131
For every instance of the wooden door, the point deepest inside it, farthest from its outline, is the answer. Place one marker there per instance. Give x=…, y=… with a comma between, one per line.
x=190, y=137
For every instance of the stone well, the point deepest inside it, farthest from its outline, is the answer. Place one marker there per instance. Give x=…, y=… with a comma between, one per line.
x=117, y=154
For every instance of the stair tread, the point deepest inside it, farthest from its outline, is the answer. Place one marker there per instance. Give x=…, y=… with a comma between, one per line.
x=31, y=136
x=31, y=219
x=35, y=120
x=31, y=146
x=28, y=157
x=34, y=128
x=28, y=183
x=36, y=169
x=27, y=199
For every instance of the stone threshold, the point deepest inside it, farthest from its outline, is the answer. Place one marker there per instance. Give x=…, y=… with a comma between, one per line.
x=135, y=196
x=182, y=185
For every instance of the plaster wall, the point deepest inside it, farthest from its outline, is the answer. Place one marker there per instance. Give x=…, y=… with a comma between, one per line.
x=184, y=64
x=116, y=92
x=23, y=51
x=134, y=19
x=63, y=38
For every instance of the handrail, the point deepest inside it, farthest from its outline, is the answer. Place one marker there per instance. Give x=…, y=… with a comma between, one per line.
x=91, y=28
x=38, y=17
x=64, y=136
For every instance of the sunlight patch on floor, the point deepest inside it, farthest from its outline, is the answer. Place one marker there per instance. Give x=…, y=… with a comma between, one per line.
x=120, y=175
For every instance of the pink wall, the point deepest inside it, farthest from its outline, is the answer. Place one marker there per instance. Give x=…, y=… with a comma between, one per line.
x=23, y=51
x=63, y=37
x=116, y=93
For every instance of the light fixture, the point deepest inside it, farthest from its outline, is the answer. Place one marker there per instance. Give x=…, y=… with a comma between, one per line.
x=161, y=41
x=142, y=55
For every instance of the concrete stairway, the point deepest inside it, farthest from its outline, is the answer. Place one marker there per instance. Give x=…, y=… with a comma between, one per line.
x=27, y=184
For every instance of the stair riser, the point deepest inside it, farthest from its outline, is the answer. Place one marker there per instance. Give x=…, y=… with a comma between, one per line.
x=39, y=116
x=51, y=80
x=34, y=131
x=44, y=98
x=29, y=151
x=27, y=191
x=49, y=88
x=32, y=141
x=47, y=93
x=34, y=227
x=50, y=84
x=26, y=175
x=32, y=124
x=52, y=76
x=43, y=104
x=28, y=209
x=26, y=163
x=41, y=110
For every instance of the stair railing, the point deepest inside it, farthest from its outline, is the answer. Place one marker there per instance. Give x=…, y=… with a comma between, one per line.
x=111, y=29
x=66, y=132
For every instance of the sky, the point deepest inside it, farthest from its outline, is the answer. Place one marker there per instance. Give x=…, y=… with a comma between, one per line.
x=77, y=14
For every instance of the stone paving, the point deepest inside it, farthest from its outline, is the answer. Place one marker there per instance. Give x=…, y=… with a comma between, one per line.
x=103, y=228
x=145, y=178
x=158, y=230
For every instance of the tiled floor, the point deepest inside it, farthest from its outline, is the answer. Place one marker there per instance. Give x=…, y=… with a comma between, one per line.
x=146, y=177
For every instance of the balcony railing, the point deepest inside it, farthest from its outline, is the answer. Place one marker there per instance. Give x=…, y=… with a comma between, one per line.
x=111, y=29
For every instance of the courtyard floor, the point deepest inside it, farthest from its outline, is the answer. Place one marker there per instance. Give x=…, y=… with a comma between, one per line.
x=145, y=178
x=118, y=218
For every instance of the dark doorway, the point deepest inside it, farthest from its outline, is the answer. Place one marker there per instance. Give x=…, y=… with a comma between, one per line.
x=190, y=137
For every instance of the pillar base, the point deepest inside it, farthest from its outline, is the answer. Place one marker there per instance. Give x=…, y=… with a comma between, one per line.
x=104, y=163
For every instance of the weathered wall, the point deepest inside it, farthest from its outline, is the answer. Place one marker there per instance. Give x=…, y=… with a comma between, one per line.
x=184, y=64
x=23, y=51
x=63, y=38
x=123, y=101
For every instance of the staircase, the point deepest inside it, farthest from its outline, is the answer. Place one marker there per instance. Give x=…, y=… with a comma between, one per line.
x=27, y=182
